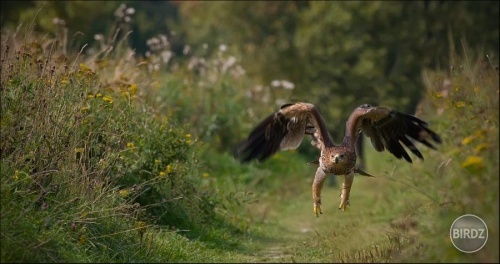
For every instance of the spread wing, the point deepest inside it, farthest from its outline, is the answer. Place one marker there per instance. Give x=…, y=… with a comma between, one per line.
x=282, y=130
x=388, y=128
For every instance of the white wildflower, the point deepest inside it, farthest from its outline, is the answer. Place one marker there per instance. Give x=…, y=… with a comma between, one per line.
x=238, y=71
x=186, y=49
x=258, y=88
x=166, y=55
x=164, y=40
x=275, y=83
x=130, y=11
x=228, y=63
x=287, y=85
x=98, y=37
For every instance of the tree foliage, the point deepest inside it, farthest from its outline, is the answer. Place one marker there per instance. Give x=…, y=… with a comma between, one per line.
x=338, y=54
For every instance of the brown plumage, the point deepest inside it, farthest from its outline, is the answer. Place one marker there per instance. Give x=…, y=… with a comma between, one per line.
x=385, y=127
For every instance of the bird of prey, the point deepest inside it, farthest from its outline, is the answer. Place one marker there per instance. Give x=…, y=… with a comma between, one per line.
x=285, y=129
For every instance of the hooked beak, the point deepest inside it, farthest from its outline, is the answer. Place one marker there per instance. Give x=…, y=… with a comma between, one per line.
x=336, y=160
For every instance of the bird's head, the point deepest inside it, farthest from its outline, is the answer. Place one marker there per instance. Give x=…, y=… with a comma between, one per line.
x=338, y=158
x=366, y=108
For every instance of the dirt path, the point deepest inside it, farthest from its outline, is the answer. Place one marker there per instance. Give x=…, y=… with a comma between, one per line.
x=294, y=234
x=293, y=225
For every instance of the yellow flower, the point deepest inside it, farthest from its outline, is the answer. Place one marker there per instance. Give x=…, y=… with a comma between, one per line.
x=79, y=150
x=132, y=89
x=459, y=104
x=140, y=225
x=455, y=151
x=82, y=239
x=16, y=175
x=141, y=228
x=169, y=168
x=188, y=139
x=163, y=174
x=98, y=95
x=90, y=96
x=481, y=147
x=437, y=95
x=85, y=108
x=468, y=140
x=205, y=175
x=157, y=161
x=480, y=132
x=130, y=145
x=108, y=99
x=84, y=67
x=473, y=162
x=124, y=193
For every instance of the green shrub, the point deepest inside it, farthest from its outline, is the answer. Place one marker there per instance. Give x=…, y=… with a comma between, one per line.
x=90, y=164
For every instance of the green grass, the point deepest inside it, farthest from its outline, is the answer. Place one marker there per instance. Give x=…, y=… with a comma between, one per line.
x=106, y=157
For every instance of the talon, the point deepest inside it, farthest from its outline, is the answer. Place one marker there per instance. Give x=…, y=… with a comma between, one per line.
x=343, y=205
x=344, y=202
x=317, y=210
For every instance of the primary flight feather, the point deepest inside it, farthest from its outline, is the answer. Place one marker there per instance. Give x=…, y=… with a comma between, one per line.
x=386, y=128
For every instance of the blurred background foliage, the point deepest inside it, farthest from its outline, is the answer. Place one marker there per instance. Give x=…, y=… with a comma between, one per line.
x=336, y=54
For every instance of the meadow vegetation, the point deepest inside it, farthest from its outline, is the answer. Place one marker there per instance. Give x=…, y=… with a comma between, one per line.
x=107, y=156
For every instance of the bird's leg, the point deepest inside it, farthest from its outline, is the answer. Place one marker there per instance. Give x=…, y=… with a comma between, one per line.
x=346, y=190
x=319, y=179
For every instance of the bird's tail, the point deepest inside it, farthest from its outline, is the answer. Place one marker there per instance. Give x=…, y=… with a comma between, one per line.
x=362, y=172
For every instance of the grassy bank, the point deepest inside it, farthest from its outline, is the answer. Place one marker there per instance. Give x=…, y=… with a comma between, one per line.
x=93, y=167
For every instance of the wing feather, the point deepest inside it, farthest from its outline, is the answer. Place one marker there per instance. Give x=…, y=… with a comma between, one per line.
x=388, y=129
x=282, y=130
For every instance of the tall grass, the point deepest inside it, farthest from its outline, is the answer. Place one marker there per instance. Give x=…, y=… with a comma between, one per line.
x=94, y=166
x=463, y=177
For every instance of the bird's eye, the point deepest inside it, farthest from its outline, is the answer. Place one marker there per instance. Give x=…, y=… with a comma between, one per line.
x=342, y=155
